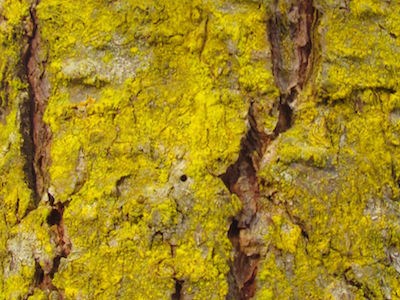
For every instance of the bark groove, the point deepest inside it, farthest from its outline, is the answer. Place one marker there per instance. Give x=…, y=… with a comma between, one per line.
x=37, y=134
x=37, y=139
x=291, y=74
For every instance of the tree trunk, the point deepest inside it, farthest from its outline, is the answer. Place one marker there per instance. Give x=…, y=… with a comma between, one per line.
x=226, y=149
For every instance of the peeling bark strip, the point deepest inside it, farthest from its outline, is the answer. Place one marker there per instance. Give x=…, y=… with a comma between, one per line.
x=291, y=74
x=37, y=144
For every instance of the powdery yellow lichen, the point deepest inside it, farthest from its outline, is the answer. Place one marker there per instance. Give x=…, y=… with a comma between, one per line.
x=148, y=105
x=18, y=264
x=136, y=154
x=335, y=172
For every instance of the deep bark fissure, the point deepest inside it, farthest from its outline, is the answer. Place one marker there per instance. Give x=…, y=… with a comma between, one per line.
x=36, y=133
x=36, y=149
x=241, y=177
x=27, y=109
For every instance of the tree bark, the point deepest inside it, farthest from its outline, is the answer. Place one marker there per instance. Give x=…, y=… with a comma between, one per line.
x=199, y=149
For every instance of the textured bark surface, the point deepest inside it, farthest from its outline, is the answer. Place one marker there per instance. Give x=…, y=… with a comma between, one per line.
x=199, y=149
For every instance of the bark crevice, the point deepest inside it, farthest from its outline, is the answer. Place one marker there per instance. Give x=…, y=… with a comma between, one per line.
x=290, y=73
x=37, y=138
x=177, y=295
x=35, y=132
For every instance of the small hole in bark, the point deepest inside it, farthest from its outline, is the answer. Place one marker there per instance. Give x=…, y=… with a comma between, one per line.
x=304, y=234
x=183, y=178
x=54, y=217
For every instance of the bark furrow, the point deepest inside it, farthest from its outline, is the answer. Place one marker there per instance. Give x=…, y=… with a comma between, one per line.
x=291, y=74
x=36, y=149
x=39, y=91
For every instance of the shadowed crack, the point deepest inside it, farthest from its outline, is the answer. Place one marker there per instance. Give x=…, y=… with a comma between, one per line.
x=45, y=272
x=36, y=133
x=178, y=290
x=63, y=249
x=290, y=73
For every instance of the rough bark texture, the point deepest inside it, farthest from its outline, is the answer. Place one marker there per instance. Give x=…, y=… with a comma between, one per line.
x=199, y=149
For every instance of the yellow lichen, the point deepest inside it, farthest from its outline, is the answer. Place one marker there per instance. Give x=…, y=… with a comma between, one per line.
x=336, y=170
x=117, y=160
x=148, y=106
